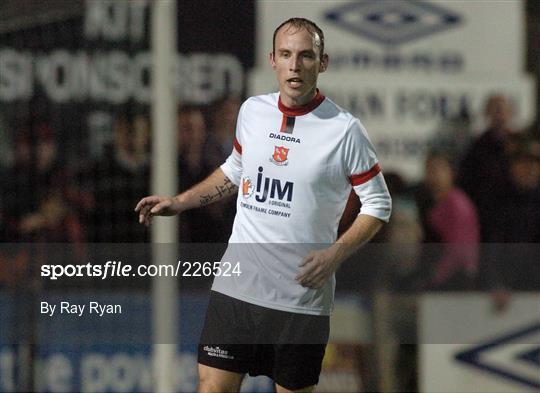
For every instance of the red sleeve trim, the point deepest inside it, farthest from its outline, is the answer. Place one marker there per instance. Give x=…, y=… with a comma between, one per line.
x=237, y=146
x=364, y=177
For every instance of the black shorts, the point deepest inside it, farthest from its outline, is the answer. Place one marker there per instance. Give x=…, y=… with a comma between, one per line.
x=249, y=339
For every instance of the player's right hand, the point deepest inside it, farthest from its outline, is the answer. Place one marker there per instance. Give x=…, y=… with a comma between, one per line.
x=155, y=205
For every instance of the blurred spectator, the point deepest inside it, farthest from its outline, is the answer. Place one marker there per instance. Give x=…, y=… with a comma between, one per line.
x=454, y=136
x=515, y=266
x=403, y=237
x=55, y=221
x=195, y=225
x=192, y=135
x=222, y=130
x=218, y=147
x=535, y=129
x=484, y=171
x=452, y=220
x=6, y=148
x=19, y=190
x=119, y=179
x=399, y=190
x=394, y=266
x=403, y=246
x=388, y=270
x=14, y=266
x=40, y=204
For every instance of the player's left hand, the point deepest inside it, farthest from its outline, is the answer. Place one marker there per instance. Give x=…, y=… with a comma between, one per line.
x=316, y=268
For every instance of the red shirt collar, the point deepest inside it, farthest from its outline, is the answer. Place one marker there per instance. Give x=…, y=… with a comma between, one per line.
x=304, y=109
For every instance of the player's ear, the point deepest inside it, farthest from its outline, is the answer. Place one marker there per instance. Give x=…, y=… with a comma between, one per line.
x=272, y=59
x=324, y=63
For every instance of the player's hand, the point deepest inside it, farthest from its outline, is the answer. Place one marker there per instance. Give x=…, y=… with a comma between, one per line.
x=156, y=206
x=317, y=268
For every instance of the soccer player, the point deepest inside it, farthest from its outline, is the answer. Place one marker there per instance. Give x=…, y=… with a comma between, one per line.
x=295, y=158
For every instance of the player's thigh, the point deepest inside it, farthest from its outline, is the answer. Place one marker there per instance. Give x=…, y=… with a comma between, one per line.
x=212, y=380
x=281, y=389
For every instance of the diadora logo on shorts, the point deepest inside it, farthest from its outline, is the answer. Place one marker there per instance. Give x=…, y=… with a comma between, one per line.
x=393, y=22
x=280, y=156
x=267, y=188
x=217, y=352
x=284, y=137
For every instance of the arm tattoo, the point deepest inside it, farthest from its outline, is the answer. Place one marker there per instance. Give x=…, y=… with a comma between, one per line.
x=221, y=191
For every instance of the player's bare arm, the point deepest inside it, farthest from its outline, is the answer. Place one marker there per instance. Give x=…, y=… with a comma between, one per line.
x=215, y=187
x=318, y=266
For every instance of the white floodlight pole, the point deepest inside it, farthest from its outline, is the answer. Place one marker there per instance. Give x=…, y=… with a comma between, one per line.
x=164, y=182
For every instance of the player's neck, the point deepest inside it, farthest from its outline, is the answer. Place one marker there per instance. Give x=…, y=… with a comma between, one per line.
x=284, y=104
x=299, y=102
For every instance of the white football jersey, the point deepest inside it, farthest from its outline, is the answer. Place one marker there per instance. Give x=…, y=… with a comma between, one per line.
x=294, y=169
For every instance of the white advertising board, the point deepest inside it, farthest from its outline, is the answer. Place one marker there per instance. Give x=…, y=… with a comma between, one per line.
x=400, y=36
x=467, y=347
x=403, y=114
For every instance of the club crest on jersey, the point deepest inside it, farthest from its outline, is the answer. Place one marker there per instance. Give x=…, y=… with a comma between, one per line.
x=280, y=156
x=247, y=187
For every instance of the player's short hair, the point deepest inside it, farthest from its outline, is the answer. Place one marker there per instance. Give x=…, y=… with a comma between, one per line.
x=309, y=26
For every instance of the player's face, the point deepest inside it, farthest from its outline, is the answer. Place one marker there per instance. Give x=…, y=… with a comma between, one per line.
x=297, y=63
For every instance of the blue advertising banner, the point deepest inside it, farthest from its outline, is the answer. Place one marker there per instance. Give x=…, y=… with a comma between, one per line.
x=72, y=355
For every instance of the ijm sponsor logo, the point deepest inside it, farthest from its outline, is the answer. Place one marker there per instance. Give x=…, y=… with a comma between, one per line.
x=267, y=188
x=393, y=22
